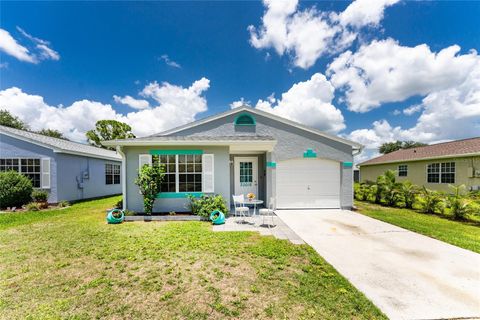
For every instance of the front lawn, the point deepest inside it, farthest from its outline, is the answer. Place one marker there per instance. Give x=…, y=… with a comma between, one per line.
x=71, y=264
x=461, y=234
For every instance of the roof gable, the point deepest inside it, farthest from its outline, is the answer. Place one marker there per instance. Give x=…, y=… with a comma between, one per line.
x=60, y=145
x=245, y=109
x=440, y=150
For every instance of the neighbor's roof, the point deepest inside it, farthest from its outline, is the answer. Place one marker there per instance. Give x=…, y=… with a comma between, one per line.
x=457, y=148
x=60, y=145
x=218, y=140
x=261, y=113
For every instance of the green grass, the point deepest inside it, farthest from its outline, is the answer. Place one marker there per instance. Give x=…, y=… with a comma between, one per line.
x=71, y=264
x=461, y=234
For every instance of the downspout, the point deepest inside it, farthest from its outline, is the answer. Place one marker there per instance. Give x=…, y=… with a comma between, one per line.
x=124, y=177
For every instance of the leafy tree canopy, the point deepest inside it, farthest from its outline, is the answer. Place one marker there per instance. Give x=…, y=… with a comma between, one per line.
x=108, y=130
x=9, y=120
x=52, y=133
x=388, y=147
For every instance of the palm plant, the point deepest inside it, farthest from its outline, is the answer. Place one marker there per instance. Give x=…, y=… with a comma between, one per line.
x=457, y=202
x=430, y=202
x=387, y=188
x=408, y=192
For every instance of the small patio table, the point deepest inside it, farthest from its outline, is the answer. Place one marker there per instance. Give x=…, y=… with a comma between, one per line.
x=253, y=202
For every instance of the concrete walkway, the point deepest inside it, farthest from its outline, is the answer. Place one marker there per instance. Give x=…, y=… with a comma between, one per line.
x=407, y=275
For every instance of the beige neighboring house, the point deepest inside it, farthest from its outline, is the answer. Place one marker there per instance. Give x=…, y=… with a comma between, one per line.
x=434, y=166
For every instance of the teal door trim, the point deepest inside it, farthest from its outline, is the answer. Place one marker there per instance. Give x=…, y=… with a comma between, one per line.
x=309, y=154
x=271, y=164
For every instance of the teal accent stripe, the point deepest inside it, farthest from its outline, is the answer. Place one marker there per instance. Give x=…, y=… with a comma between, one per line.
x=173, y=195
x=309, y=154
x=252, y=118
x=173, y=152
x=347, y=164
x=271, y=164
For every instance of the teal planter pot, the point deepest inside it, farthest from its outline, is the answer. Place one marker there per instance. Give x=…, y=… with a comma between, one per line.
x=112, y=220
x=217, y=217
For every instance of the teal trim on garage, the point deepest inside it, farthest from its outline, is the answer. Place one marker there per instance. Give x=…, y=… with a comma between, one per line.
x=271, y=164
x=173, y=152
x=309, y=154
x=348, y=164
x=175, y=195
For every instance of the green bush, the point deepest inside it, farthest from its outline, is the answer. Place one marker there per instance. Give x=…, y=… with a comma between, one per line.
x=129, y=212
x=33, y=206
x=204, y=205
x=63, y=203
x=431, y=201
x=459, y=205
x=15, y=189
x=149, y=181
x=408, y=192
x=39, y=195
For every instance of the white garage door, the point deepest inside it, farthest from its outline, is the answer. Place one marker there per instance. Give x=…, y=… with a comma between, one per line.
x=308, y=183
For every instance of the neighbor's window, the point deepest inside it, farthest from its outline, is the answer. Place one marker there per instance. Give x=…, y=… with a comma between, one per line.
x=27, y=167
x=183, y=172
x=441, y=172
x=112, y=173
x=402, y=170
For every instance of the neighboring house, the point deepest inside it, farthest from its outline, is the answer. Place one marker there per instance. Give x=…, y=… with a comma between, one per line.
x=67, y=170
x=434, y=166
x=241, y=151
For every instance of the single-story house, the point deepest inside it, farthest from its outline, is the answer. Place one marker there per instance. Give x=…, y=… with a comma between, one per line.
x=67, y=170
x=434, y=166
x=241, y=151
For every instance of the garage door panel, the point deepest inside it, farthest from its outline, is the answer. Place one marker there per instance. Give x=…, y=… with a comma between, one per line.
x=308, y=183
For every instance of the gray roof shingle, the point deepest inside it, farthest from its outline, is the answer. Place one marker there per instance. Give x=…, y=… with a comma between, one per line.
x=61, y=145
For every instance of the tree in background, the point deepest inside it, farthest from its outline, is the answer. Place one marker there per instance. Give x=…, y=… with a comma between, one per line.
x=52, y=133
x=388, y=147
x=9, y=120
x=108, y=130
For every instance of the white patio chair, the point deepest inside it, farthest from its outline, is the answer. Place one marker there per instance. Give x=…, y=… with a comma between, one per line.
x=240, y=208
x=268, y=212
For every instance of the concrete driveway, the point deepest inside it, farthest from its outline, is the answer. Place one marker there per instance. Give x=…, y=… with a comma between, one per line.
x=407, y=275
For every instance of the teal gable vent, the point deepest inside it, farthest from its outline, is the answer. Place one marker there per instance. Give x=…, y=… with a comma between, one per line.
x=309, y=154
x=245, y=119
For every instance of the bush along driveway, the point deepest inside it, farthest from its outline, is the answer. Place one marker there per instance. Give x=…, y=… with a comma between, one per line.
x=459, y=233
x=71, y=264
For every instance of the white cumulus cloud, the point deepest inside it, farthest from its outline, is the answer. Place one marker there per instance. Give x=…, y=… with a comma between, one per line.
x=308, y=34
x=132, y=102
x=384, y=71
x=308, y=102
x=11, y=47
x=175, y=105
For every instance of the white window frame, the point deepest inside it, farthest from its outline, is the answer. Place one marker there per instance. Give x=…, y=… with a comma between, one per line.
x=440, y=181
x=406, y=170
x=19, y=168
x=113, y=174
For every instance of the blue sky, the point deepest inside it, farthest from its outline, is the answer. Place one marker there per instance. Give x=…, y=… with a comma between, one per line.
x=107, y=49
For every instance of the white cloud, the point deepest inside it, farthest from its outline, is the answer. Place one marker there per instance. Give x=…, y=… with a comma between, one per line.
x=132, y=102
x=365, y=12
x=239, y=103
x=396, y=112
x=308, y=34
x=308, y=102
x=40, y=51
x=169, y=62
x=10, y=46
x=412, y=109
x=449, y=114
x=175, y=106
x=384, y=71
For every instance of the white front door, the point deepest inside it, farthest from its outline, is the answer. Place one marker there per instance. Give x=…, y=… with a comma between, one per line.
x=246, y=175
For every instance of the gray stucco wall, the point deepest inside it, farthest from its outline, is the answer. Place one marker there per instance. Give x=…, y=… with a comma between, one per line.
x=70, y=170
x=64, y=168
x=16, y=148
x=292, y=142
x=134, y=198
